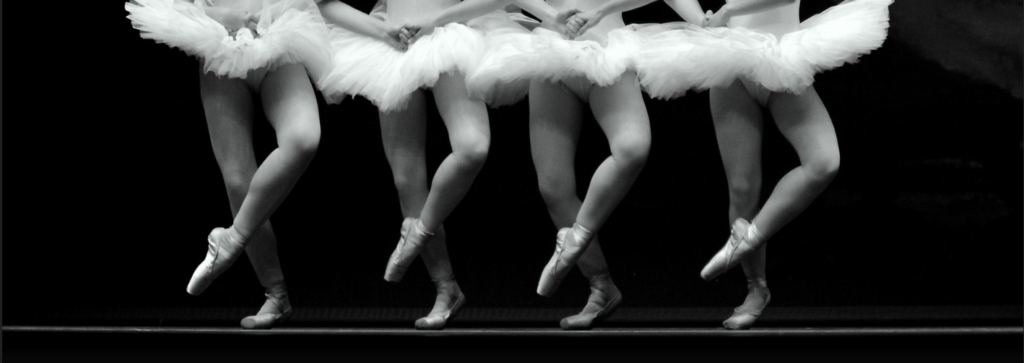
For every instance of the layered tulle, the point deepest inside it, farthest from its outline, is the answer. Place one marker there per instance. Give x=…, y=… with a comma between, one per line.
x=546, y=55
x=827, y=40
x=500, y=30
x=387, y=76
x=289, y=31
x=679, y=57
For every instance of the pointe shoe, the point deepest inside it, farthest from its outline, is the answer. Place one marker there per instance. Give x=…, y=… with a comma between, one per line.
x=744, y=318
x=409, y=247
x=223, y=250
x=276, y=310
x=744, y=240
x=592, y=313
x=568, y=250
x=437, y=320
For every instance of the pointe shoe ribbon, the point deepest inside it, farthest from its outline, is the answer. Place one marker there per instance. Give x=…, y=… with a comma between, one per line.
x=569, y=247
x=223, y=249
x=413, y=239
x=743, y=240
x=437, y=320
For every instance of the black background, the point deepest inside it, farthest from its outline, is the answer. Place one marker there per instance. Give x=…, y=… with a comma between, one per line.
x=115, y=189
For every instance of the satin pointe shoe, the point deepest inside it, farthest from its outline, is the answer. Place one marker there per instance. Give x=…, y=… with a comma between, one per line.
x=744, y=240
x=224, y=249
x=600, y=307
x=436, y=320
x=758, y=298
x=276, y=310
x=569, y=247
x=409, y=247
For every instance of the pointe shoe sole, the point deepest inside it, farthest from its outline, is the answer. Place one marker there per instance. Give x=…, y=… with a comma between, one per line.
x=426, y=323
x=265, y=321
x=605, y=313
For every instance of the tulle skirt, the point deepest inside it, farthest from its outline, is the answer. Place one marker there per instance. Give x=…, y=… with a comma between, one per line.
x=486, y=82
x=686, y=57
x=387, y=76
x=546, y=55
x=289, y=31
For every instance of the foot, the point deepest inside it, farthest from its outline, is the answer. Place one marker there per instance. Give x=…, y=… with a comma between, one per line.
x=744, y=240
x=448, y=303
x=225, y=245
x=570, y=245
x=745, y=315
x=414, y=238
x=602, y=303
x=275, y=310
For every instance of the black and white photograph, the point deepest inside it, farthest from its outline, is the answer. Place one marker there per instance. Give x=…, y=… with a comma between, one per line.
x=515, y=180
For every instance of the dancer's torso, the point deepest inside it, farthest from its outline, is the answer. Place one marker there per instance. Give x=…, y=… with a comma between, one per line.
x=599, y=32
x=778, y=21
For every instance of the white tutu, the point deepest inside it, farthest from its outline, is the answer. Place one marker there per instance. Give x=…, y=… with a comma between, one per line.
x=289, y=31
x=387, y=76
x=677, y=57
x=827, y=40
x=546, y=55
x=500, y=30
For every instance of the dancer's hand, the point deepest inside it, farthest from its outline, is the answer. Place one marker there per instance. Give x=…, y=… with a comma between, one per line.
x=579, y=23
x=234, y=19
x=416, y=29
x=558, y=25
x=717, y=19
x=392, y=35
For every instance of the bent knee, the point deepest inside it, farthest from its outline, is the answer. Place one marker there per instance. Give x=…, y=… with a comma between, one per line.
x=236, y=180
x=473, y=151
x=744, y=190
x=556, y=191
x=631, y=153
x=302, y=141
x=824, y=168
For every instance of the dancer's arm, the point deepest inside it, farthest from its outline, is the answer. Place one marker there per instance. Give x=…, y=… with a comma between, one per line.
x=463, y=11
x=540, y=9
x=689, y=10
x=550, y=18
x=231, y=18
x=380, y=10
x=347, y=17
x=743, y=7
x=580, y=23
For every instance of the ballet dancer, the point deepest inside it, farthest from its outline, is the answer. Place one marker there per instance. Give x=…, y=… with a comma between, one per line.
x=596, y=69
x=777, y=57
x=408, y=48
x=249, y=48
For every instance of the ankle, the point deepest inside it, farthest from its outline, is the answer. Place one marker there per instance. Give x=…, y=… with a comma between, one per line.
x=423, y=229
x=278, y=291
x=581, y=233
x=237, y=236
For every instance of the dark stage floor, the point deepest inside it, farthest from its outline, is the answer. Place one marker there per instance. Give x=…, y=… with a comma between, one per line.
x=821, y=344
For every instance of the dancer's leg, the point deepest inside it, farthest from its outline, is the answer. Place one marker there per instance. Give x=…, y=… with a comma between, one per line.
x=739, y=128
x=621, y=112
x=805, y=123
x=469, y=132
x=404, y=138
x=229, y=114
x=555, y=121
